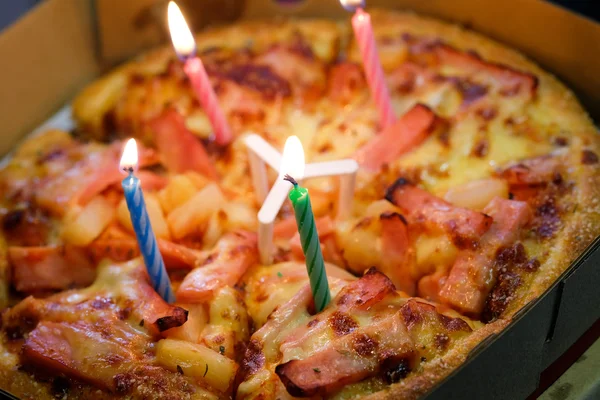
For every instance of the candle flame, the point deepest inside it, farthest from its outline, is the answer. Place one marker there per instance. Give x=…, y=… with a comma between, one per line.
x=292, y=160
x=352, y=5
x=129, y=159
x=181, y=36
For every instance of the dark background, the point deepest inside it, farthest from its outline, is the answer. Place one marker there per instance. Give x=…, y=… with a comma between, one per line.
x=10, y=10
x=590, y=8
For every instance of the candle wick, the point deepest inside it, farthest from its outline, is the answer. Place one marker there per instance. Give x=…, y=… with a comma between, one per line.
x=128, y=169
x=290, y=180
x=183, y=57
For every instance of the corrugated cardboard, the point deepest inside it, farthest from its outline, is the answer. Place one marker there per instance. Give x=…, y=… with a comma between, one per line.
x=46, y=57
x=61, y=45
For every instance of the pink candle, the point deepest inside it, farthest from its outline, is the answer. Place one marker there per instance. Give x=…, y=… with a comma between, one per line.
x=185, y=46
x=201, y=84
x=363, y=31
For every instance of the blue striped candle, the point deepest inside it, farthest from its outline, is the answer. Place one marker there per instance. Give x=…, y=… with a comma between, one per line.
x=142, y=226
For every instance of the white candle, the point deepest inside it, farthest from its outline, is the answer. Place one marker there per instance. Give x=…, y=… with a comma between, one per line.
x=262, y=154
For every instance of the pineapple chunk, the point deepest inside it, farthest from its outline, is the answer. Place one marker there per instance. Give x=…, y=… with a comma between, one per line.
x=432, y=253
x=197, y=361
x=228, y=321
x=199, y=180
x=83, y=225
x=477, y=194
x=180, y=189
x=188, y=217
x=101, y=96
x=240, y=216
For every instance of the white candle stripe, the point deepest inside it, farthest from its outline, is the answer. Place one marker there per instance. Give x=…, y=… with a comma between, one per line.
x=149, y=243
x=137, y=197
x=372, y=66
x=205, y=93
x=146, y=239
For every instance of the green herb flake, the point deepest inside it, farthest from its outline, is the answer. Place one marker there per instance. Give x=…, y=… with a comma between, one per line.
x=222, y=349
x=205, y=371
x=180, y=370
x=317, y=370
x=142, y=323
x=279, y=274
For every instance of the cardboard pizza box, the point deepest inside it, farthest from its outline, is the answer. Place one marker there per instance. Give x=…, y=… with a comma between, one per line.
x=61, y=45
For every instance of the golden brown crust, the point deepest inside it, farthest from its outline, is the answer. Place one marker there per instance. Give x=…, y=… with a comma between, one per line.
x=416, y=385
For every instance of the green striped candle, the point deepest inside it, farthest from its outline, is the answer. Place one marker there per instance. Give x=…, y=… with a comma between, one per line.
x=310, y=244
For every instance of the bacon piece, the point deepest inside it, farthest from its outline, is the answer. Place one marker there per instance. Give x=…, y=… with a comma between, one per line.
x=534, y=171
x=399, y=138
x=156, y=313
x=244, y=103
x=179, y=149
x=50, y=268
x=120, y=291
x=123, y=249
x=398, y=256
x=26, y=227
x=380, y=348
x=511, y=81
x=366, y=291
x=360, y=294
x=298, y=68
x=86, y=173
x=474, y=272
x=429, y=286
x=229, y=260
x=79, y=350
x=345, y=79
x=464, y=226
x=106, y=178
x=112, y=356
x=287, y=228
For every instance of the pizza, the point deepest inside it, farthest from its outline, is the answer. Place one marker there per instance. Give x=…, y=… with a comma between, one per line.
x=468, y=207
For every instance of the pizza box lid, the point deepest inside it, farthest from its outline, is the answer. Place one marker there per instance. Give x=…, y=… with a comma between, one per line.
x=63, y=44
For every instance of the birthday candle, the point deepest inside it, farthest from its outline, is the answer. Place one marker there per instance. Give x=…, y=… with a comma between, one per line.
x=310, y=244
x=363, y=32
x=185, y=46
x=142, y=227
x=291, y=162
